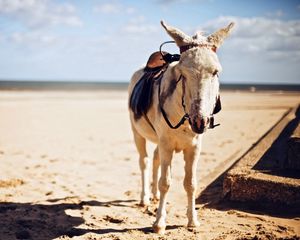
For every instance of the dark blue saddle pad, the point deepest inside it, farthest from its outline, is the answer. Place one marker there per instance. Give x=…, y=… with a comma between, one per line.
x=141, y=96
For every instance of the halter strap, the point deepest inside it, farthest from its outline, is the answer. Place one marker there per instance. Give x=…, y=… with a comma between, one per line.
x=187, y=47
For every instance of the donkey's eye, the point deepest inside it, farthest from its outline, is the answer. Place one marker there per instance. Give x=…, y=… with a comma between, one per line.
x=215, y=73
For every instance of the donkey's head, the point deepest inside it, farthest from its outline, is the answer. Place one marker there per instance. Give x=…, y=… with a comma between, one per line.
x=200, y=68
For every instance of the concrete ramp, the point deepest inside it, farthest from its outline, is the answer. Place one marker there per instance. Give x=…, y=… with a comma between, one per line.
x=270, y=171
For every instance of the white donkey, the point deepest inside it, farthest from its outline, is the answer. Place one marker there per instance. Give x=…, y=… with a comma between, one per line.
x=189, y=89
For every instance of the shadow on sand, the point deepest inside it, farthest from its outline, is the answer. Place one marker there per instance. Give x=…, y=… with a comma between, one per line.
x=48, y=221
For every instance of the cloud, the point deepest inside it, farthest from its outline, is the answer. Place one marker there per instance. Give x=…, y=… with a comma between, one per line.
x=32, y=39
x=40, y=13
x=138, y=25
x=113, y=8
x=258, y=35
x=142, y=29
x=169, y=2
x=277, y=14
x=175, y=1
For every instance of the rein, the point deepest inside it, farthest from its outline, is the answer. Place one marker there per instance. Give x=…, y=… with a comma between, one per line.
x=185, y=116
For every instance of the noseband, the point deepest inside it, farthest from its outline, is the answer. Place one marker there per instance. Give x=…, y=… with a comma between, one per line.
x=171, y=58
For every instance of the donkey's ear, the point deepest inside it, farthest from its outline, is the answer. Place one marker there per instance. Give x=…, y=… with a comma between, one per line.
x=218, y=37
x=179, y=37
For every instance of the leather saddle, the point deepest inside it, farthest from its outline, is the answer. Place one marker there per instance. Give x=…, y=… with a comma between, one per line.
x=155, y=60
x=141, y=96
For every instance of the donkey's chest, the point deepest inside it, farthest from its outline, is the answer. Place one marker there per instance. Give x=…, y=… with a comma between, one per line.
x=180, y=139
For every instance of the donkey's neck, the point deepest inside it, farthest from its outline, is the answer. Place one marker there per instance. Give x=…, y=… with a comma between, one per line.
x=171, y=95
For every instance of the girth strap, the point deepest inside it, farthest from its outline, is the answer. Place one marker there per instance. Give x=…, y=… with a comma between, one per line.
x=149, y=122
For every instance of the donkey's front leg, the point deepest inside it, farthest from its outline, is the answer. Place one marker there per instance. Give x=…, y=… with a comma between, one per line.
x=191, y=156
x=165, y=155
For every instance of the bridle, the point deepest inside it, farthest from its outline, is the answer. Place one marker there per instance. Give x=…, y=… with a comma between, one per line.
x=185, y=116
x=171, y=58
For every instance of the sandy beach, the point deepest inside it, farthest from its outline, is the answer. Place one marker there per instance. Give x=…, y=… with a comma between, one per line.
x=69, y=169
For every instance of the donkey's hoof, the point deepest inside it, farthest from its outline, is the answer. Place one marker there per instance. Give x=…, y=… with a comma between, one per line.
x=193, y=224
x=159, y=229
x=144, y=204
x=145, y=200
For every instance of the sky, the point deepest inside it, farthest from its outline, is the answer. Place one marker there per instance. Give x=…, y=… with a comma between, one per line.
x=107, y=40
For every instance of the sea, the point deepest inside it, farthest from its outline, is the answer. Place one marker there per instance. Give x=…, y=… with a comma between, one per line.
x=90, y=86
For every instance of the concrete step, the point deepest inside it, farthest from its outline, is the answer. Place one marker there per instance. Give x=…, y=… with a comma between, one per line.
x=268, y=172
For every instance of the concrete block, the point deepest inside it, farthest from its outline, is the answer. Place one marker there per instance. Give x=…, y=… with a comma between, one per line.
x=255, y=178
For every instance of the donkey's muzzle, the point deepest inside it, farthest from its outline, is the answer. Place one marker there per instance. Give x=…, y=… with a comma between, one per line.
x=199, y=124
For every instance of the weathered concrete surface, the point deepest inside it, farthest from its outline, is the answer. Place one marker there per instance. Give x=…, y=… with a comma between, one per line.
x=263, y=174
x=294, y=150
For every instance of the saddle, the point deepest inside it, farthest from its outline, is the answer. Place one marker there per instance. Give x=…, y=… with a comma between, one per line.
x=141, y=96
x=156, y=60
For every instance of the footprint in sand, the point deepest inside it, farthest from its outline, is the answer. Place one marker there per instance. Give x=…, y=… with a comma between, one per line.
x=49, y=193
x=151, y=211
x=127, y=159
x=207, y=153
x=225, y=143
x=113, y=219
x=11, y=183
x=53, y=160
x=128, y=193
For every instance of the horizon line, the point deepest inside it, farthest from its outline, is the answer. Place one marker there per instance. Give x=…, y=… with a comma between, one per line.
x=60, y=81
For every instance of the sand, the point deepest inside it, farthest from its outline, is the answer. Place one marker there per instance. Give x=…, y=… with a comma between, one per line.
x=69, y=169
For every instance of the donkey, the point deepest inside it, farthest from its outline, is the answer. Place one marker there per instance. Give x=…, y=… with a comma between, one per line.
x=188, y=90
